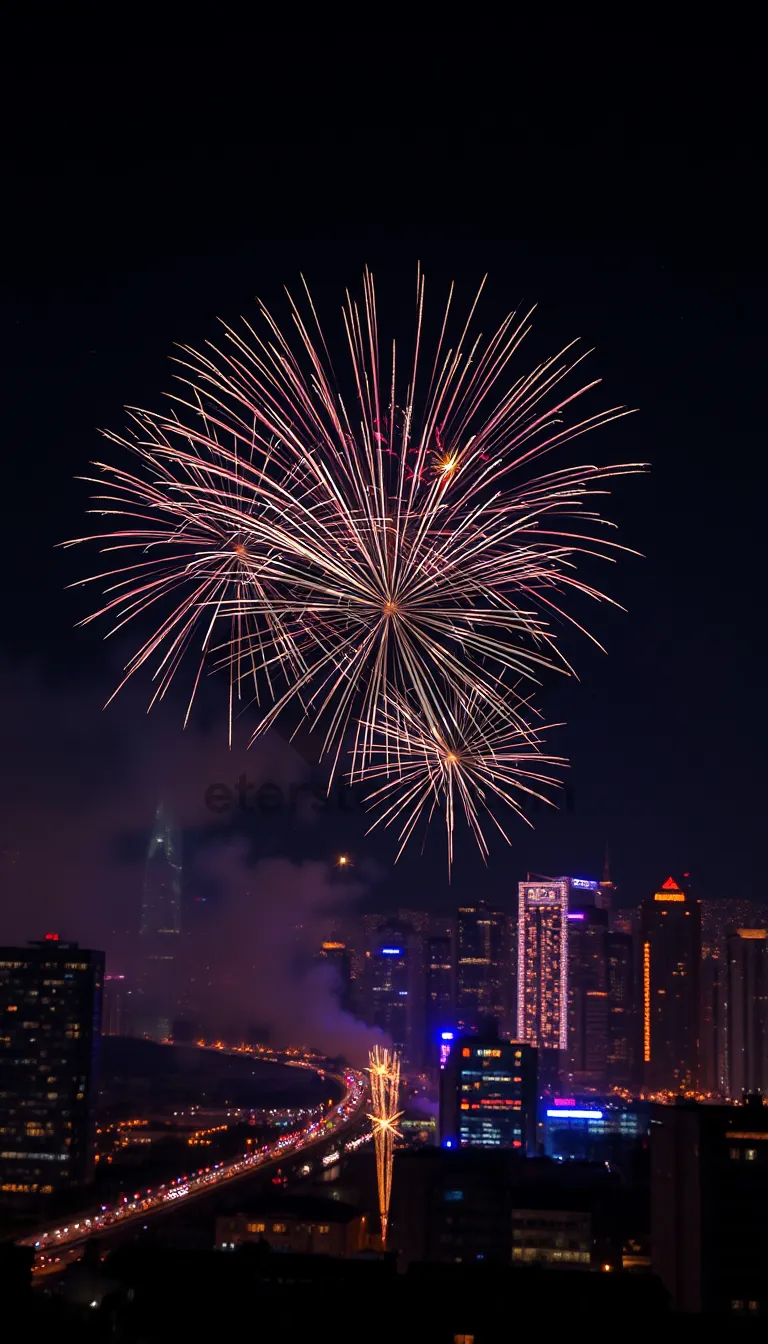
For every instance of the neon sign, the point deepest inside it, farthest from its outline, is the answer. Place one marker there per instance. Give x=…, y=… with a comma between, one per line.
x=391, y=951
x=575, y=1115
x=584, y=883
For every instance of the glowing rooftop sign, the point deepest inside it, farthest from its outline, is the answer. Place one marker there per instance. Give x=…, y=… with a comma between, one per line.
x=391, y=951
x=577, y=914
x=574, y=1115
x=585, y=883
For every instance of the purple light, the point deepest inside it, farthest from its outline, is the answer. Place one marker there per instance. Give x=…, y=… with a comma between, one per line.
x=578, y=915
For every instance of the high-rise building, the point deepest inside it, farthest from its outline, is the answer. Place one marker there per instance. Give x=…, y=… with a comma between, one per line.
x=115, y=1014
x=336, y=954
x=709, y=1193
x=712, y=1061
x=439, y=1011
x=542, y=963
x=160, y=928
x=488, y=1094
x=50, y=1028
x=393, y=984
x=671, y=961
x=607, y=887
x=622, y=1017
x=482, y=966
x=746, y=978
x=587, y=996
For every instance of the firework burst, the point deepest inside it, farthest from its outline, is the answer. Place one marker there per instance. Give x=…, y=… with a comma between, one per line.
x=470, y=762
x=348, y=551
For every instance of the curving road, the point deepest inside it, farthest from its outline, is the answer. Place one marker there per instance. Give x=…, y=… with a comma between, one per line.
x=56, y=1247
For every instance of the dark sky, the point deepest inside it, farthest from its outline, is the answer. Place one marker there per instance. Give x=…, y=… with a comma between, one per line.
x=124, y=243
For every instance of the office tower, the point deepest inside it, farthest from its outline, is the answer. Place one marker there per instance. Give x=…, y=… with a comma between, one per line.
x=719, y=917
x=393, y=988
x=160, y=928
x=746, y=980
x=622, y=1017
x=607, y=887
x=50, y=1028
x=488, y=1094
x=439, y=1012
x=115, y=1014
x=587, y=996
x=671, y=959
x=465, y=1206
x=709, y=1194
x=712, y=1061
x=336, y=954
x=482, y=966
x=542, y=963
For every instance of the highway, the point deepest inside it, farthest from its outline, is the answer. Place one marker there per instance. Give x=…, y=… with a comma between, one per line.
x=56, y=1247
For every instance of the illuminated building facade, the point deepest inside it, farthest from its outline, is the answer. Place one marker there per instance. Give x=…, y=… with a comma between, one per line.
x=483, y=966
x=587, y=995
x=746, y=978
x=671, y=959
x=160, y=928
x=542, y=963
x=50, y=1028
x=488, y=1094
x=622, y=1017
x=589, y=1130
x=438, y=979
x=393, y=985
x=709, y=1194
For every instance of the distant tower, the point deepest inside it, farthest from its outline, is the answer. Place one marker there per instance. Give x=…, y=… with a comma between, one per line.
x=607, y=887
x=160, y=926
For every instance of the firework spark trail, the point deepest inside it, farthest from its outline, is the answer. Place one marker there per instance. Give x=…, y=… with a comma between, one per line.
x=384, y=1068
x=471, y=761
x=356, y=554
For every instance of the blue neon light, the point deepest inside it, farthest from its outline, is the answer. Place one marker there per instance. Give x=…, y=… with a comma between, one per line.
x=447, y=1035
x=391, y=951
x=575, y=1115
x=584, y=882
x=448, y=1143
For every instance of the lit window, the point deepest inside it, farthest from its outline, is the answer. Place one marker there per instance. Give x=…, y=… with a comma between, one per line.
x=737, y=1304
x=278, y=1227
x=324, y=1228
x=734, y=1154
x=750, y=1154
x=752, y=1305
x=463, y=1339
x=257, y=1227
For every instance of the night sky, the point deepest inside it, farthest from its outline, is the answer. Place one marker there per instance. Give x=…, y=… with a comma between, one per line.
x=118, y=254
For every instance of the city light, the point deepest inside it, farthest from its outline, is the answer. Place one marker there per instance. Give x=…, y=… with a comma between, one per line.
x=385, y=1088
x=391, y=951
x=646, y=1002
x=574, y=1115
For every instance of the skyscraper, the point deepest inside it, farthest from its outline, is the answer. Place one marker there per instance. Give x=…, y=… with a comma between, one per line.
x=671, y=957
x=622, y=1019
x=160, y=928
x=746, y=978
x=482, y=966
x=587, y=996
x=439, y=1012
x=393, y=987
x=488, y=1094
x=50, y=1026
x=336, y=954
x=542, y=963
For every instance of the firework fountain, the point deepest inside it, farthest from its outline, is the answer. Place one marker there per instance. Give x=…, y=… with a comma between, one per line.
x=384, y=1068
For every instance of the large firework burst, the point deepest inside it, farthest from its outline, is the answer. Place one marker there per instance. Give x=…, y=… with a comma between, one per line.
x=358, y=552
